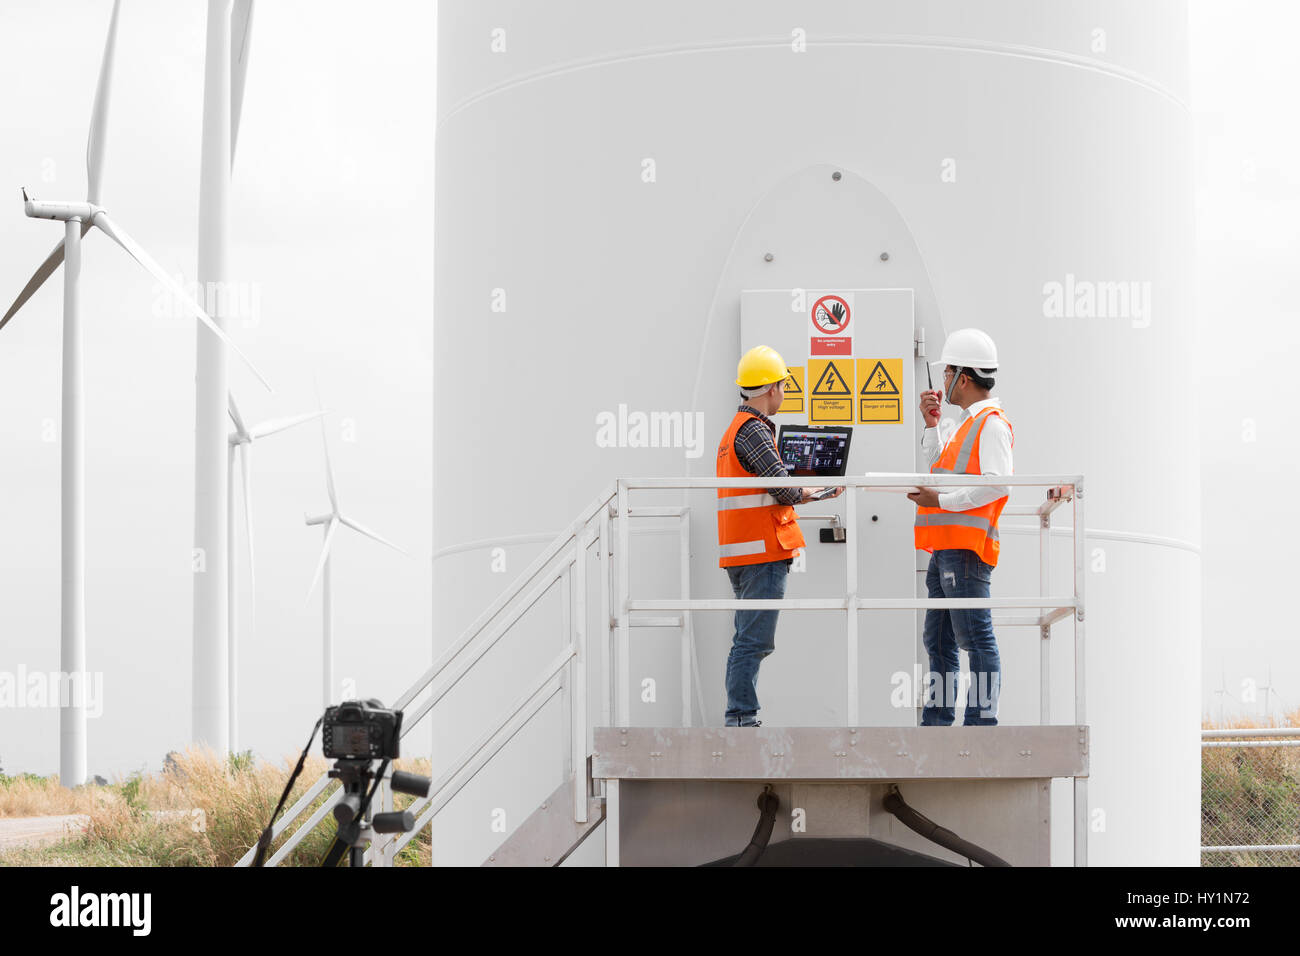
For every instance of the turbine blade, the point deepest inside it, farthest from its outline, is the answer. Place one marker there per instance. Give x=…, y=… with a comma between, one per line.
x=43, y=272
x=99, y=117
x=241, y=36
x=329, y=465
x=245, y=455
x=281, y=424
x=361, y=529
x=324, y=554
x=234, y=414
x=137, y=252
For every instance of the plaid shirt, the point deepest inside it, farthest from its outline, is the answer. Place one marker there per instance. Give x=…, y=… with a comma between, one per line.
x=756, y=450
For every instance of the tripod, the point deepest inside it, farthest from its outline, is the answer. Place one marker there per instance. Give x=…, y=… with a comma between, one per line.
x=356, y=824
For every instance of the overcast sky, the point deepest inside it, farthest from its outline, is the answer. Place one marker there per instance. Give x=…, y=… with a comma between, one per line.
x=332, y=210
x=1244, y=77
x=332, y=205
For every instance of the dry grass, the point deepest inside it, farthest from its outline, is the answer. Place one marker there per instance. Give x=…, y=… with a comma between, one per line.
x=1291, y=719
x=1250, y=796
x=30, y=796
x=217, y=809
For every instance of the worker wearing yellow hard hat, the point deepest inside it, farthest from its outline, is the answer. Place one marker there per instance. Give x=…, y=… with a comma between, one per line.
x=758, y=532
x=760, y=366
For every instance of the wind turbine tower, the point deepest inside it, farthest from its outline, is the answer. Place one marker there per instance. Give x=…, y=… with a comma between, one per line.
x=223, y=84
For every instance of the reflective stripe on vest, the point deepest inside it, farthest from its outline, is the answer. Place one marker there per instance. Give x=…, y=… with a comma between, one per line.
x=967, y=448
x=732, y=502
x=753, y=527
x=966, y=519
x=975, y=529
x=741, y=548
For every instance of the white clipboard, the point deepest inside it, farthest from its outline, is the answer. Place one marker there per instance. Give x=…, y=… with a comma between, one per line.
x=897, y=489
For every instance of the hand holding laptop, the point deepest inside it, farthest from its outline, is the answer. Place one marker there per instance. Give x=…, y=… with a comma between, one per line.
x=821, y=494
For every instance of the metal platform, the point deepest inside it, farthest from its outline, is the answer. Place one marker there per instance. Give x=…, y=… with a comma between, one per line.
x=840, y=753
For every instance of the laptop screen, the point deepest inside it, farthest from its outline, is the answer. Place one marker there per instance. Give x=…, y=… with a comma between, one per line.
x=814, y=452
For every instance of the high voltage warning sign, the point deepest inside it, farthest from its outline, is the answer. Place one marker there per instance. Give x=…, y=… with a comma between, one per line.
x=793, y=392
x=831, y=398
x=879, y=398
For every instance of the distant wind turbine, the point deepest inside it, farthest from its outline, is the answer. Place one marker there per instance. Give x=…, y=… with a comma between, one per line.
x=331, y=522
x=1222, y=693
x=78, y=218
x=241, y=442
x=1267, y=689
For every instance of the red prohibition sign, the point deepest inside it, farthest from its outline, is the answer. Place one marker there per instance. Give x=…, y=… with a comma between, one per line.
x=830, y=311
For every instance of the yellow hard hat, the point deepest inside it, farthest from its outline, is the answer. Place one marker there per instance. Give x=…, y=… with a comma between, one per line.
x=760, y=366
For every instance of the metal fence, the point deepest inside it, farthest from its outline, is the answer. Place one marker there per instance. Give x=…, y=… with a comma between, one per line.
x=1250, y=797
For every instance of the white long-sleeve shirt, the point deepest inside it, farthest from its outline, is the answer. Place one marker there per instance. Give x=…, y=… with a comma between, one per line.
x=995, y=457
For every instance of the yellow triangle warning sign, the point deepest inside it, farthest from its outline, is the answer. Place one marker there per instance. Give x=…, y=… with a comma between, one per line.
x=878, y=381
x=831, y=383
x=793, y=402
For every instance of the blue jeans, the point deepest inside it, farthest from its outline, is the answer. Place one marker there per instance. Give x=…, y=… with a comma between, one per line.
x=754, y=639
x=959, y=573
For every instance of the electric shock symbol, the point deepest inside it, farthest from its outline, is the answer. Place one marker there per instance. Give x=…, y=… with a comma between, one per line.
x=831, y=383
x=879, y=382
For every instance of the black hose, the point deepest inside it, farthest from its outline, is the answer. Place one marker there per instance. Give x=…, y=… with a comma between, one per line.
x=767, y=805
x=923, y=825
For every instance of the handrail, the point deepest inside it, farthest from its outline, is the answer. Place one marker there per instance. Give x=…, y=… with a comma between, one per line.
x=528, y=705
x=578, y=527
x=889, y=480
x=495, y=608
x=1060, y=489
x=564, y=559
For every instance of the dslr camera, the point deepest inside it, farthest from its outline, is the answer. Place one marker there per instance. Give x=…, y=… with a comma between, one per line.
x=361, y=730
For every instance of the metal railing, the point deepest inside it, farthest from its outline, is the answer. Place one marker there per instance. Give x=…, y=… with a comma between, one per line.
x=562, y=561
x=565, y=561
x=1250, y=797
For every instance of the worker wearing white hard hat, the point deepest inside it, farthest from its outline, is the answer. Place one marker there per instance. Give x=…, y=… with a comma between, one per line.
x=959, y=526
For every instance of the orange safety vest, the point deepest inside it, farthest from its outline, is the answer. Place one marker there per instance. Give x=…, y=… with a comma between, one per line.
x=976, y=529
x=753, y=527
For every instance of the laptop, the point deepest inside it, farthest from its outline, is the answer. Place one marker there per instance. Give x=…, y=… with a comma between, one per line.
x=814, y=451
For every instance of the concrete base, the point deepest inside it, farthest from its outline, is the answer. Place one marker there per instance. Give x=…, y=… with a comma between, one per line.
x=688, y=796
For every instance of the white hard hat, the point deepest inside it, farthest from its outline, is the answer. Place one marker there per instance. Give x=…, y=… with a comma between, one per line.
x=970, y=348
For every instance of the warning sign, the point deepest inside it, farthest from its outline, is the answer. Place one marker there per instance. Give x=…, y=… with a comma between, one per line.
x=880, y=411
x=831, y=397
x=793, y=392
x=879, y=397
x=830, y=318
x=830, y=314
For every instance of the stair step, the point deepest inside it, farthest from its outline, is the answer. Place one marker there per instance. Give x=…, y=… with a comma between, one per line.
x=550, y=833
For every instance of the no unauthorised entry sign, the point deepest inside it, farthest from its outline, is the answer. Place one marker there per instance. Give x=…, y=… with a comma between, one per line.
x=830, y=317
